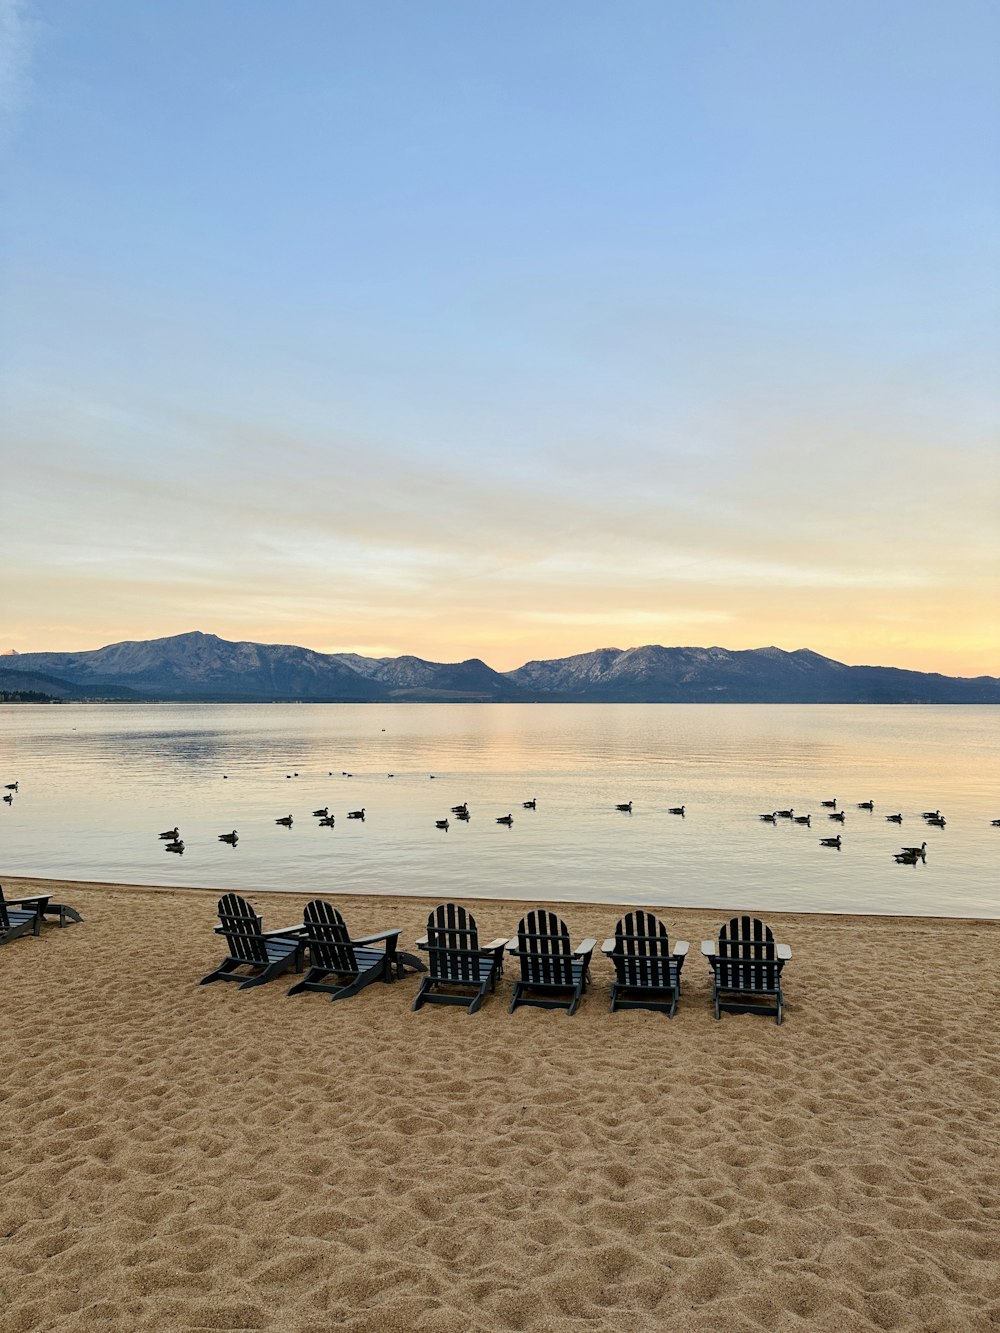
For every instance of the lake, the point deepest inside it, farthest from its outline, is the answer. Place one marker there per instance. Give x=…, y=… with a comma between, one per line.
x=97, y=783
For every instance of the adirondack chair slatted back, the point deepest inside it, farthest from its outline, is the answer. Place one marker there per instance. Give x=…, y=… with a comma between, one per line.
x=747, y=956
x=642, y=951
x=452, y=944
x=242, y=928
x=545, y=948
x=329, y=943
x=4, y=918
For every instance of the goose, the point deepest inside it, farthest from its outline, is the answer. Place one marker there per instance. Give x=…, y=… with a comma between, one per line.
x=441, y=823
x=530, y=805
x=356, y=814
x=627, y=807
x=10, y=786
x=939, y=822
x=390, y=775
x=506, y=819
x=784, y=814
x=327, y=821
x=9, y=798
x=830, y=842
x=802, y=819
x=769, y=819
x=931, y=814
x=322, y=814
x=838, y=815
x=287, y=821
x=916, y=851
x=905, y=859
x=171, y=833
x=231, y=838
x=675, y=810
x=866, y=805
x=463, y=814
x=175, y=846
x=462, y=809
x=894, y=819
x=995, y=823
x=831, y=805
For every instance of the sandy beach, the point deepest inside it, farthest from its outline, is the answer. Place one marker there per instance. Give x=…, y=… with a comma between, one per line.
x=185, y=1157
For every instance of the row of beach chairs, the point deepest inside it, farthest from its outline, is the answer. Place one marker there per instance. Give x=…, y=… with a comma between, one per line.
x=746, y=961
x=25, y=916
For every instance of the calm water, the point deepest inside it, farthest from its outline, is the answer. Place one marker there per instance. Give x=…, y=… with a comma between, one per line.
x=98, y=782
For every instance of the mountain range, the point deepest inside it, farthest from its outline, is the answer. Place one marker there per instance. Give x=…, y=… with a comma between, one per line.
x=203, y=667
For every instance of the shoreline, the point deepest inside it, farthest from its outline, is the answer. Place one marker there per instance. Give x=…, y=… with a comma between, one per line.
x=43, y=883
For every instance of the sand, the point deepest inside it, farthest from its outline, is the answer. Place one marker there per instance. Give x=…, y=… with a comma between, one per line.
x=185, y=1157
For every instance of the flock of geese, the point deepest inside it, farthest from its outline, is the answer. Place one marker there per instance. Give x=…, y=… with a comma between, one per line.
x=905, y=856
x=173, y=842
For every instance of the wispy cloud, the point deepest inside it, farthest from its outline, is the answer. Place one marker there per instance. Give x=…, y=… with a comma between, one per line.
x=18, y=29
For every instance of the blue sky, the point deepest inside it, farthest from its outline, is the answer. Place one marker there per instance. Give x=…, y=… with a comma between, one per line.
x=504, y=330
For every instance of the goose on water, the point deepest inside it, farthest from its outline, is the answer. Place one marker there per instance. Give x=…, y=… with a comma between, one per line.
x=832, y=805
x=232, y=838
x=916, y=851
x=675, y=810
x=175, y=846
x=10, y=786
x=462, y=809
x=171, y=833
x=838, y=815
x=784, y=814
x=9, y=798
x=866, y=805
x=938, y=822
x=627, y=806
x=802, y=819
x=506, y=819
x=529, y=805
x=905, y=859
x=931, y=814
x=769, y=819
x=463, y=814
x=322, y=814
x=287, y=821
x=830, y=842
x=894, y=819
x=327, y=821
x=441, y=823
x=995, y=823
x=356, y=814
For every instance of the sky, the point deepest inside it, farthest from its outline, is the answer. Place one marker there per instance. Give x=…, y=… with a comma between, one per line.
x=469, y=328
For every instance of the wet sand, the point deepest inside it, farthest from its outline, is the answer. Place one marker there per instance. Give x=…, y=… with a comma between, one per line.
x=185, y=1157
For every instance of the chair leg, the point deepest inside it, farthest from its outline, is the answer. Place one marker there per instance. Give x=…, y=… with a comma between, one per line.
x=425, y=986
x=219, y=972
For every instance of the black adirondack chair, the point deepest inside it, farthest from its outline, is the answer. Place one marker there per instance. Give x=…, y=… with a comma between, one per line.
x=746, y=964
x=352, y=964
x=647, y=972
x=267, y=953
x=456, y=960
x=554, y=974
x=19, y=916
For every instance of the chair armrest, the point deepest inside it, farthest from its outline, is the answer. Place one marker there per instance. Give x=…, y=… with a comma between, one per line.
x=784, y=951
x=680, y=948
x=422, y=942
x=708, y=948
x=285, y=930
x=585, y=948
x=608, y=946
x=511, y=945
x=35, y=900
x=500, y=943
x=379, y=935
